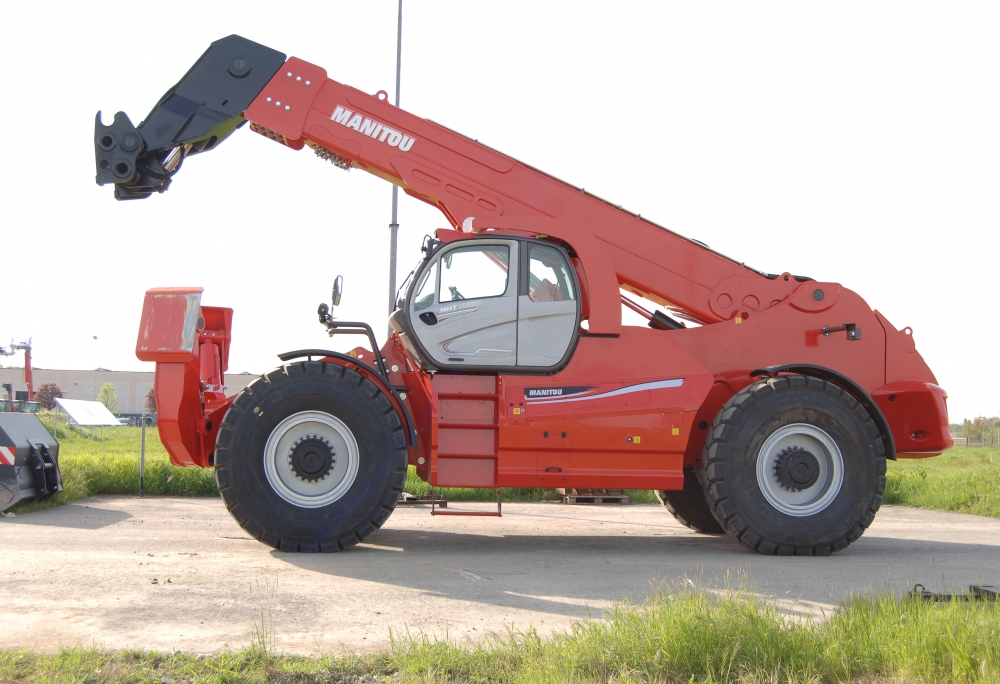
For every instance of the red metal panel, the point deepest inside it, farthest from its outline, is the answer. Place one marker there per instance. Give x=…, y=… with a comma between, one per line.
x=466, y=472
x=169, y=325
x=464, y=423
x=465, y=441
x=918, y=417
x=464, y=384
x=472, y=411
x=283, y=104
x=422, y=408
x=211, y=365
x=179, y=412
x=626, y=406
x=902, y=360
x=787, y=334
x=190, y=345
x=219, y=330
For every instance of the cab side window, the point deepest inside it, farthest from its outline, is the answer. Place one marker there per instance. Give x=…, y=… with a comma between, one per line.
x=474, y=272
x=549, y=279
x=425, y=291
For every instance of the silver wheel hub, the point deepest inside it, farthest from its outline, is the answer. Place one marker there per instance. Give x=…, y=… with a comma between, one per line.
x=800, y=469
x=311, y=459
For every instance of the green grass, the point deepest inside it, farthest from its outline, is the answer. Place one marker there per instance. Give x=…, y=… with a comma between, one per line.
x=92, y=466
x=677, y=635
x=111, y=466
x=964, y=480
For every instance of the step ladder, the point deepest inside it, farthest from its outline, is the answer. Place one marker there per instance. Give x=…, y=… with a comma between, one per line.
x=410, y=499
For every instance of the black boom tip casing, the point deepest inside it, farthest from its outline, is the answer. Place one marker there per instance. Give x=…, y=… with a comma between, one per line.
x=198, y=113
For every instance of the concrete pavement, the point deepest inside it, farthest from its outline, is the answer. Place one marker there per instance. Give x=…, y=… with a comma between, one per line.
x=178, y=573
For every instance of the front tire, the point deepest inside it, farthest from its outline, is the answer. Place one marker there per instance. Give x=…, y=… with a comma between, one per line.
x=794, y=465
x=311, y=457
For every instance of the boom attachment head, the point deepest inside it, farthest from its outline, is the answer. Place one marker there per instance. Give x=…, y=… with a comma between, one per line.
x=194, y=116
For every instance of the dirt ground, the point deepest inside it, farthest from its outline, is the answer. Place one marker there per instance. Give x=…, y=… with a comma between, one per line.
x=178, y=573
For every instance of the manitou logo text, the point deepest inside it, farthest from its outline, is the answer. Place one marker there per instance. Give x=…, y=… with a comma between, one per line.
x=554, y=392
x=545, y=392
x=372, y=128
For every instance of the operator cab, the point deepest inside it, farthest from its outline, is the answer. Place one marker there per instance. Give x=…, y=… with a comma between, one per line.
x=488, y=302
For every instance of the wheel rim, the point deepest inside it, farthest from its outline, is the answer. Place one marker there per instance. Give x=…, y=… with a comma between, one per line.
x=311, y=459
x=800, y=470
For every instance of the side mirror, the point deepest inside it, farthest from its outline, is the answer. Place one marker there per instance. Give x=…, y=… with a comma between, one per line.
x=338, y=290
x=325, y=312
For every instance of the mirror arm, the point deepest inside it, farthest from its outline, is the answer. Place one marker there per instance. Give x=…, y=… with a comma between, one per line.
x=323, y=311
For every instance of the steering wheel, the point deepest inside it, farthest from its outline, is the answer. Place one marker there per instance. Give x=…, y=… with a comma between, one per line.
x=455, y=294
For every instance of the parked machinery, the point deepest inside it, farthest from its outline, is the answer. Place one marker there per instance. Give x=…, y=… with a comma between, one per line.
x=29, y=460
x=771, y=418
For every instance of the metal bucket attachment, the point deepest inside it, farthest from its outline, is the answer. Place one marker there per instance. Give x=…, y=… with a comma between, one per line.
x=29, y=460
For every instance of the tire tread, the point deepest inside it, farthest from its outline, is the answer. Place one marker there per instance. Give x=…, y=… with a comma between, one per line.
x=726, y=422
x=244, y=403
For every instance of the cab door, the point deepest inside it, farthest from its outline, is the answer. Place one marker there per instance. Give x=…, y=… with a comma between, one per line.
x=548, y=307
x=464, y=310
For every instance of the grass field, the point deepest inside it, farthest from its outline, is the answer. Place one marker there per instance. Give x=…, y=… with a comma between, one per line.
x=92, y=466
x=964, y=480
x=677, y=635
x=111, y=466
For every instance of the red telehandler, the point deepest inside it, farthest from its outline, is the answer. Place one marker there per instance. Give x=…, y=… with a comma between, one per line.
x=761, y=405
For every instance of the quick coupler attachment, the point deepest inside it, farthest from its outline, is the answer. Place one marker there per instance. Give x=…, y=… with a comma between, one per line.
x=117, y=150
x=199, y=112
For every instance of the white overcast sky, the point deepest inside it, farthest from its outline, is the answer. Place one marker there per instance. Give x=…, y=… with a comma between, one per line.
x=856, y=142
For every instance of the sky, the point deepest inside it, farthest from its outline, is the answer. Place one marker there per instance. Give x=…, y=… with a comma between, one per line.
x=853, y=142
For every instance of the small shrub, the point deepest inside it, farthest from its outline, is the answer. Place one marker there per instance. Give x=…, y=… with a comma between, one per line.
x=109, y=397
x=47, y=394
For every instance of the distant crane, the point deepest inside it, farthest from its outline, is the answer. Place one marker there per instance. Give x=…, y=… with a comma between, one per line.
x=28, y=378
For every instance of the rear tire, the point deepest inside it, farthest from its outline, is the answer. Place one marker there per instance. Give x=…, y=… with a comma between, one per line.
x=794, y=465
x=689, y=505
x=311, y=457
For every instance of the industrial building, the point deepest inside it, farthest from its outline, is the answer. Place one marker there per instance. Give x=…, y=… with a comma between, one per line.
x=131, y=386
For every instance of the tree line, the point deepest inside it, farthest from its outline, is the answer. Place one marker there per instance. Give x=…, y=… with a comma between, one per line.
x=47, y=394
x=981, y=431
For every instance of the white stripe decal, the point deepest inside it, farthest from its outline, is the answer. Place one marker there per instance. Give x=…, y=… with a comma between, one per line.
x=645, y=386
x=451, y=314
x=6, y=456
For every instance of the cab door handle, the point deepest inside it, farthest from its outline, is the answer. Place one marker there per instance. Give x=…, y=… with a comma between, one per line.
x=429, y=318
